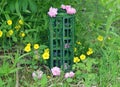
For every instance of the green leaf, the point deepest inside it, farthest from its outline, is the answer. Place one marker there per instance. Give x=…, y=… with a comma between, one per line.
x=14, y=70
x=43, y=80
x=65, y=85
x=81, y=65
x=24, y=4
x=43, y=46
x=78, y=72
x=30, y=30
x=17, y=8
x=32, y=5
x=12, y=6
x=69, y=80
x=1, y=83
x=14, y=39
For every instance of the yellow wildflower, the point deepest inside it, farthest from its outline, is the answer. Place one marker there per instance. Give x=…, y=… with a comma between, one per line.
x=29, y=44
x=48, y=77
x=27, y=48
x=76, y=60
x=90, y=51
x=17, y=27
x=75, y=49
x=78, y=42
x=1, y=33
x=9, y=22
x=20, y=22
x=22, y=34
x=82, y=57
x=100, y=38
x=10, y=33
x=46, y=50
x=45, y=55
x=36, y=46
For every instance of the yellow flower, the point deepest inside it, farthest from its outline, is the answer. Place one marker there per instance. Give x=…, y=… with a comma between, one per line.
x=75, y=49
x=48, y=77
x=9, y=22
x=78, y=42
x=22, y=34
x=46, y=50
x=100, y=38
x=10, y=33
x=45, y=55
x=1, y=33
x=76, y=60
x=82, y=57
x=90, y=51
x=17, y=27
x=27, y=48
x=36, y=46
x=29, y=44
x=20, y=22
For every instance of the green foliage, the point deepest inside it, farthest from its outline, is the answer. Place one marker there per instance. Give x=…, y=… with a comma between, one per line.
x=7, y=70
x=1, y=82
x=43, y=81
x=93, y=18
x=86, y=71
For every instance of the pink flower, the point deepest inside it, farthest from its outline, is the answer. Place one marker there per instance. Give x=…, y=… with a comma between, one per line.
x=66, y=75
x=67, y=7
x=71, y=10
x=52, y=12
x=37, y=74
x=56, y=71
x=63, y=6
x=69, y=75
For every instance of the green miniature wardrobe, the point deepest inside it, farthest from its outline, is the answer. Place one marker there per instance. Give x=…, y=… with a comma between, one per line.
x=61, y=41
